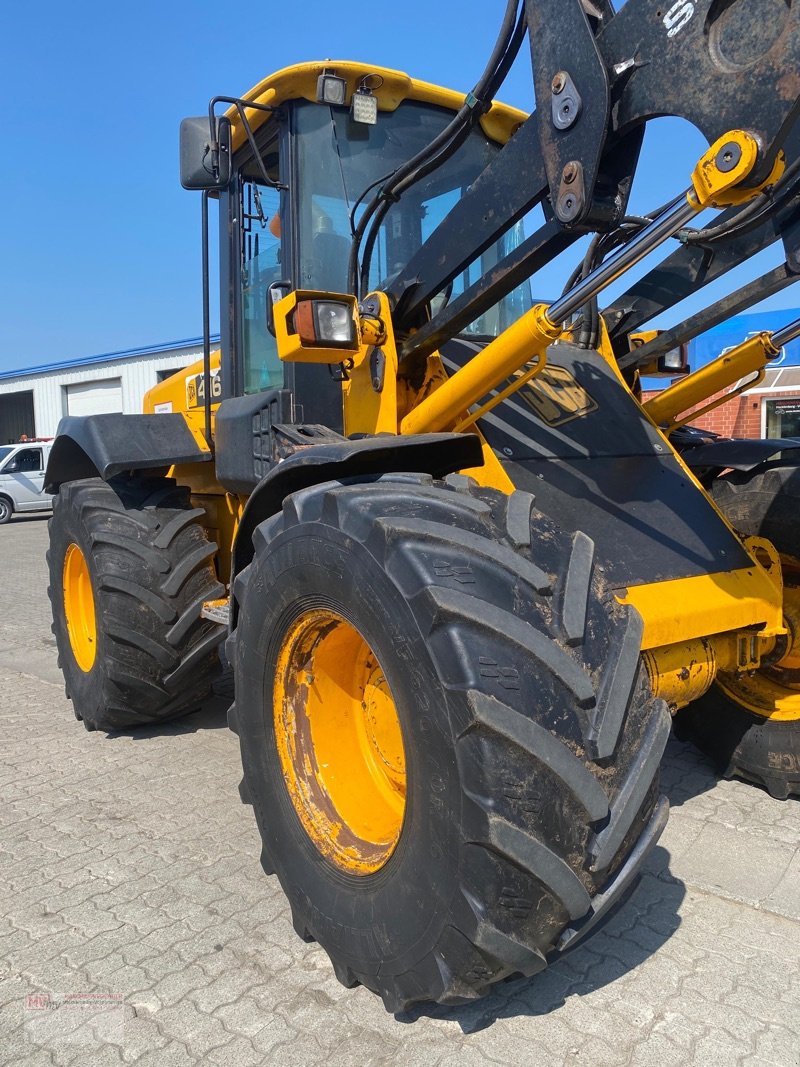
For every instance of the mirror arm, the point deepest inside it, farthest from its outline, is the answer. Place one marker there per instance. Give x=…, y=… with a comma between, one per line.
x=240, y=106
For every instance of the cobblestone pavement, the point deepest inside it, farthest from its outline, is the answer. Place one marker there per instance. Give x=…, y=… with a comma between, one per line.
x=128, y=867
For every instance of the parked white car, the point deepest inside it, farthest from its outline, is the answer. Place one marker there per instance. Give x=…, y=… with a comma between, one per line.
x=22, y=478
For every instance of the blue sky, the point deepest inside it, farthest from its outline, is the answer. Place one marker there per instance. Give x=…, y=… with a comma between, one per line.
x=100, y=245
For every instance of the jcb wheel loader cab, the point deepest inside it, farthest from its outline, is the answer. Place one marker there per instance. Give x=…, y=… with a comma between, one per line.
x=750, y=724
x=130, y=566
x=287, y=220
x=446, y=732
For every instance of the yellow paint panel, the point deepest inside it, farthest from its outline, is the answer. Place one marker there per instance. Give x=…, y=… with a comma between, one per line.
x=686, y=608
x=300, y=82
x=367, y=409
x=492, y=474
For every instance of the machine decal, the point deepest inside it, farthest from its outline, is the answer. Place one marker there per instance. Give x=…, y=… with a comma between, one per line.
x=196, y=390
x=557, y=397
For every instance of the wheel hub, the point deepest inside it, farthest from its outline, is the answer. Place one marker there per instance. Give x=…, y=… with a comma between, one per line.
x=79, y=608
x=774, y=691
x=791, y=614
x=339, y=740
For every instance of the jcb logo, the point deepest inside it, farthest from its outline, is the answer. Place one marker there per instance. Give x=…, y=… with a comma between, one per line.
x=556, y=397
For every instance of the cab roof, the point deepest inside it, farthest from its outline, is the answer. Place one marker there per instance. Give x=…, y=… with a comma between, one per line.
x=300, y=82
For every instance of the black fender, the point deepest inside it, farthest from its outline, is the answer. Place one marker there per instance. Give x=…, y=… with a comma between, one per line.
x=93, y=446
x=436, y=454
x=740, y=454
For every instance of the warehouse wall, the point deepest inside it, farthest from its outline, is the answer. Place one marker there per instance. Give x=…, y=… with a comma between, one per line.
x=138, y=374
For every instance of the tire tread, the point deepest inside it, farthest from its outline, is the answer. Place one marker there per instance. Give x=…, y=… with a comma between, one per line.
x=152, y=567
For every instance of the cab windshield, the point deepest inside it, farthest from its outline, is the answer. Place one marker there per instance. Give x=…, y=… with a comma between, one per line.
x=338, y=160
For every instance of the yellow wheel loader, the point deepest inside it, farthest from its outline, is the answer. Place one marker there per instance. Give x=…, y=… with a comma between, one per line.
x=465, y=577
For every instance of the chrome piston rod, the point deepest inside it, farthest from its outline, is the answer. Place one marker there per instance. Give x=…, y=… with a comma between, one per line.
x=787, y=334
x=666, y=225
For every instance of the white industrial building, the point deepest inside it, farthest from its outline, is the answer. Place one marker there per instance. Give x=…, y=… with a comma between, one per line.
x=33, y=400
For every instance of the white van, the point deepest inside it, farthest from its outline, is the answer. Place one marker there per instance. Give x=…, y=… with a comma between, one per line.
x=22, y=478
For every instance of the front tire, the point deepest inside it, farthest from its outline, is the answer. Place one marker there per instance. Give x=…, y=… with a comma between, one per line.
x=130, y=566
x=529, y=742
x=6, y=510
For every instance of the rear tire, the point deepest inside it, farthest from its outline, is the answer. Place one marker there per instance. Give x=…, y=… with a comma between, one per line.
x=761, y=746
x=531, y=741
x=146, y=557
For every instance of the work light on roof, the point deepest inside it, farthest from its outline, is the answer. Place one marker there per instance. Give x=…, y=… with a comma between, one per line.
x=331, y=90
x=365, y=106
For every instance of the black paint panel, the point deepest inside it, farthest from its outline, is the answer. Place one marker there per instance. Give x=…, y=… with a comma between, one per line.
x=648, y=522
x=106, y=445
x=610, y=474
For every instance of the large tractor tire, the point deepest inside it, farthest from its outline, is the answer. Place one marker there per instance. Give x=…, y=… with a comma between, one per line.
x=130, y=566
x=750, y=725
x=446, y=733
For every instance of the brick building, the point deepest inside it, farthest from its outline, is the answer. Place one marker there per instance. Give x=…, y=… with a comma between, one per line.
x=772, y=408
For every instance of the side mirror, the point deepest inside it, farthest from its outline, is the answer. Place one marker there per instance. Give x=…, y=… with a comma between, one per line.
x=205, y=158
x=277, y=291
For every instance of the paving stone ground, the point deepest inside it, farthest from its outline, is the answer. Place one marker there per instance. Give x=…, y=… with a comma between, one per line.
x=129, y=870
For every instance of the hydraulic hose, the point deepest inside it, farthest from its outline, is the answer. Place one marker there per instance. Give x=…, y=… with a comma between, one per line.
x=446, y=142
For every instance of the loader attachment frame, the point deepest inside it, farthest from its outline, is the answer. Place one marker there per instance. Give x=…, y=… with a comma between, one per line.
x=715, y=64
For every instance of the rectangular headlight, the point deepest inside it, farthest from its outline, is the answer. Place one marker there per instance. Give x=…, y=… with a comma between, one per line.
x=676, y=360
x=326, y=323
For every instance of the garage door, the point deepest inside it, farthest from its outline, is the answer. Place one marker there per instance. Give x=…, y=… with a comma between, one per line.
x=16, y=416
x=95, y=398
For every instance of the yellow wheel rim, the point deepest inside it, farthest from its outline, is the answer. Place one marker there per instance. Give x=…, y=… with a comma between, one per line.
x=339, y=741
x=774, y=691
x=79, y=608
x=764, y=694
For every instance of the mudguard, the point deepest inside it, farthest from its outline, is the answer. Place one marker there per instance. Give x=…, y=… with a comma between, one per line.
x=94, y=446
x=436, y=454
x=736, y=454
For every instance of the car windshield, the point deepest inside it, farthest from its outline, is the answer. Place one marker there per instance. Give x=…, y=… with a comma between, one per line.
x=339, y=159
x=5, y=453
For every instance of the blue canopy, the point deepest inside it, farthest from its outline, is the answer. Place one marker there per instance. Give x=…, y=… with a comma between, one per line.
x=728, y=334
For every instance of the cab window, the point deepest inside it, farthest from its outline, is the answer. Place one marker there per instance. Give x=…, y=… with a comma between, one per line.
x=260, y=265
x=25, y=461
